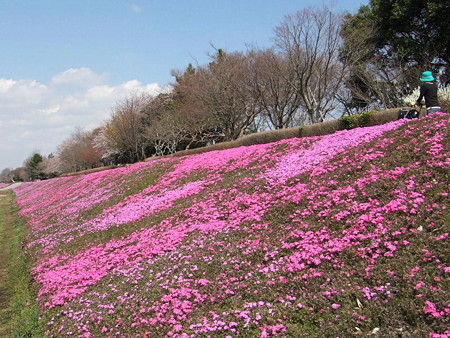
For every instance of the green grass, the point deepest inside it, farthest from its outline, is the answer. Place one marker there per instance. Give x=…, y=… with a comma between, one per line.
x=5, y=313
x=17, y=298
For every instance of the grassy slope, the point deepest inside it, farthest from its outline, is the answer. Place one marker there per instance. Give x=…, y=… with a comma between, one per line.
x=344, y=234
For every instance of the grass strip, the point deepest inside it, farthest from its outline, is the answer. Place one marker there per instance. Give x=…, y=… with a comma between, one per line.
x=19, y=314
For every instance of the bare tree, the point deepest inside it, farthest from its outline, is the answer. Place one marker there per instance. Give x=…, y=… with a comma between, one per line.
x=201, y=123
x=166, y=133
x=20, y=174
x=78, y=152
x=222, y=91
x=175, y=121
x=51, y=166
x=310, y=41
x=162, y=125
x=6, y=175
x=123, y=135
x=271, y=79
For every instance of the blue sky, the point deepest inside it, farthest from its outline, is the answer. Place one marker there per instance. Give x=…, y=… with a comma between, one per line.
x=65, y=63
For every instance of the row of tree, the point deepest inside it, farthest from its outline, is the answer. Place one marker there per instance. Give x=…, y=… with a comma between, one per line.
x=322, y=65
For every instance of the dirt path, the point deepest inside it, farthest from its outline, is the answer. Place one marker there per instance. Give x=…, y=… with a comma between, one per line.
x=9, y=187
x=6, y=235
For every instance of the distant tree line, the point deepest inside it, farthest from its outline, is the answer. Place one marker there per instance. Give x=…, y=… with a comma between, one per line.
x=322, y=65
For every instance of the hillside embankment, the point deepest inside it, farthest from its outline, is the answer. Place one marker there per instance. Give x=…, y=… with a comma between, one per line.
x=343, y=234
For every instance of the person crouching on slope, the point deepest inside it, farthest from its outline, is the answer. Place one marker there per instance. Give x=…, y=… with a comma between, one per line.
x=428, y=90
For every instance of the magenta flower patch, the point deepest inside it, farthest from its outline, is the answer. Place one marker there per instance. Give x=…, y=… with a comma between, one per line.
x=327, y=235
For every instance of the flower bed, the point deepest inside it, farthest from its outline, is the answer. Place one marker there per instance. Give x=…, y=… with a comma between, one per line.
x=335, y=235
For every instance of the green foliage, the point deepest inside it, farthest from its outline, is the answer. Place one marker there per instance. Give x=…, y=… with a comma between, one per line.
x=406, y=25
x=33, y=166
x=356, y=121
x=397, y=40
x=413, y=33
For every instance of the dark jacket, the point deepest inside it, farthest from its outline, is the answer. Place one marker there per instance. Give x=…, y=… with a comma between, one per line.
x=429, y=91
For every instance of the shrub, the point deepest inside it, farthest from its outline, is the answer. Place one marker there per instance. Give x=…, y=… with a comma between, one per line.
x=356, y=121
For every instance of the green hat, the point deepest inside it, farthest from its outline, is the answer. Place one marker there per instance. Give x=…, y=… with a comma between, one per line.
x=427, y=76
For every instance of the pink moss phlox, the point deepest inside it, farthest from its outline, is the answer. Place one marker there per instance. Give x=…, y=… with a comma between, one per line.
x=238, y=192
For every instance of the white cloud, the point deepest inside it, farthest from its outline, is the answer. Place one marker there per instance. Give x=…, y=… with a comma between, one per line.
x=50, y=110
x=14, y=92
x=38, y=116
x=6, y=84
x=100, y=93
x=80, y=77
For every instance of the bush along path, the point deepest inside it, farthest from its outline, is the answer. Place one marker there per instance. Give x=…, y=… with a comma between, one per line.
x=336, y=235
